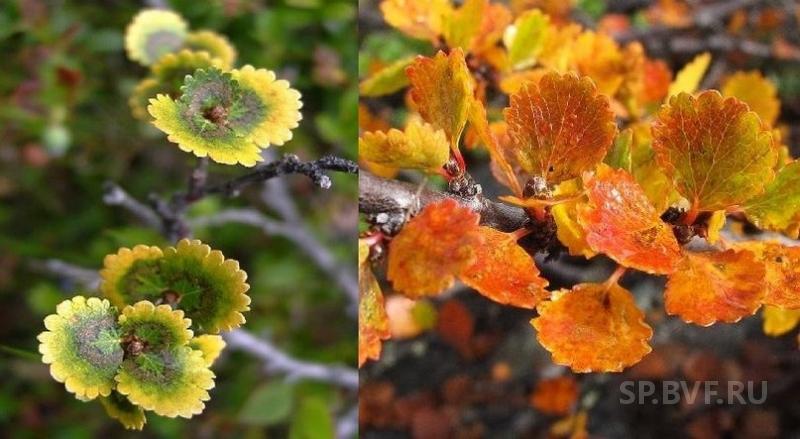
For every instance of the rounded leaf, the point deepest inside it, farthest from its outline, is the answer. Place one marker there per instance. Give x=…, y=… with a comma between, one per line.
x=782, y=265
x=268, y=109
x=757, y=92
x=82, y=346
x=153, y=33
x=118, y=407
x=433, y=248
x=145, y=327
x=419, y=146
x=715, y=286
x=778, y=208
x=620, y=222
x=210, y=289
x=201, y=121
x=216, y=45
x=504, y=272
x=559, y=127
x=779, y=321
x=210, y=345
x=593, y=328
x=170, y=382
x=716, y=151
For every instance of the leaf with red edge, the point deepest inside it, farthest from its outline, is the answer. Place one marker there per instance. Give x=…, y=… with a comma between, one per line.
x=620, y=222
x=716, y=150
x=373, y=323
x=504, y=272
x=593, y=328
x=782, y=265
x=559, y=127
x=433, y=248
x=715, y=286
x=442, y=89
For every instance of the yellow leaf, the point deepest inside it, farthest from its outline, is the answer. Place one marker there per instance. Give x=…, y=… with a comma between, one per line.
x=779, y=321
x=715, y=224
x=525, y=38
x=420, y=146
x=688, y=79
x=755, y=91
x=461, y=26
x=568, y=230
x=416, y=18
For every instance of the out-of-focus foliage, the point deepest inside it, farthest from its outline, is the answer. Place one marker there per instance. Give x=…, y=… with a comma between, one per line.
x=66, y=127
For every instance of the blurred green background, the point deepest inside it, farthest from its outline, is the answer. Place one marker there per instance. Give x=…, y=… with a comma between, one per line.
x=66, y=128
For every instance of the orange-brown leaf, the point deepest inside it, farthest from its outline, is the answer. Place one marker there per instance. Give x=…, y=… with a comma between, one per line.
x=416, y=18
x=433, y=248
x=620, y=222
x=442, y=89
x=593, y=328
x=504, y=272
x=559, y=127
x=373, y=323
x=716, y=150
x=782, y=265
x=715, y=286
x=555, y=396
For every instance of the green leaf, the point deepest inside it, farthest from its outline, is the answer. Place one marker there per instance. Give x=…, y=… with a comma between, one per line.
x=619, y=156
x=388, y=80
x=270, y=404
x=312, y=420
x=526, y=37
x=778, y=207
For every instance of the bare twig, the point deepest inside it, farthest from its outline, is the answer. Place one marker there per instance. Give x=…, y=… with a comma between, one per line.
x=58, y=268
x=347, y=426
x=276, y=360
x=388, y=203
x=116, y=196
x=318, y=253
x=316, y=170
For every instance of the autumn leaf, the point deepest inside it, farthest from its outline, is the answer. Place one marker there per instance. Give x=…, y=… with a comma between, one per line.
x=416, y=18
x=461, y=26
x=782, y=265
x=715, y=225
x=620, y=222
x=504, y=272
x=716, y=150
x=599, y=57
x=756, y=91
x=373, y=323
x=559, y=127
x=620, y=155
x=659, y=188
x=779, y=206
x=387, y=80
x=568, y=229
x=433, y=248
x=525, y=38
x=688, y=78
x=555, y=396
x=442, y=89
x=715, y=286
x=779, y=321
x=420, y=146
x=593, y=328
x=495, y=19
x=657, y=77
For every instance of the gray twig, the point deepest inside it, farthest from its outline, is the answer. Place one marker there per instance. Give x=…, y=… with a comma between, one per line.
x=114, y=195
x=276, y=360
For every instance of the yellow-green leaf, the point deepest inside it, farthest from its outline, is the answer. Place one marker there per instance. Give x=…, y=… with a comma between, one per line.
x=419, y=146
x=778, y=207
x=387, y=80
x=688, y=78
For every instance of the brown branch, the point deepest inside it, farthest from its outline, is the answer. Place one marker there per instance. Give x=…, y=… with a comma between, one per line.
x=387, y=204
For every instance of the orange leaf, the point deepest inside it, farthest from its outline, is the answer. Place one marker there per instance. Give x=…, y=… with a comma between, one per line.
x=782, y=266
x=432, y=248
x=559, y=127
x=416, y=18
x=715, y=286
x=442, y=89
x=593, y=328
x=620, y=222
x=657, y=77
x=373, y=324
x=716, y=150
x=456, y=326
x=555, y=396
x=504, y=272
